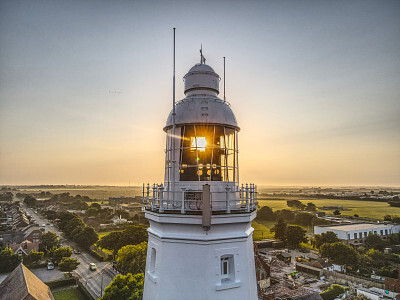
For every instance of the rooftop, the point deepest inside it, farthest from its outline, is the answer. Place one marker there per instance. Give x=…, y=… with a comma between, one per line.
x=23, y=284
x=358, y=226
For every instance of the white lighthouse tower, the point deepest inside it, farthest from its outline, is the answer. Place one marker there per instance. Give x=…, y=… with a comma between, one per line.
x=200, y=237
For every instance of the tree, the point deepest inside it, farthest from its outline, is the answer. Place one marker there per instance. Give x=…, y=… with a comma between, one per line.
x=294, y=235
x=30, y=201
x=64, y=217
x=134, y=235
x=295, y=204
x=8, y=260
x=49, y=240
x=396, y=219
x=86, y=237
x=337, y=213
x=394, y=239
x=95, y=205
x=68, y=264
x=364, y=263
x=91, y=211
x=279, y=229
x=112, y=241
x=340, y=253
x=34, y=257
x=76, y=232
x=59, y=253
x=285, y=214
x=387, y=218
x=326, y=237
x=129, y=287
x=265, y=213
x=333, y=292
x=374, y=241
x=72, y=224
x=132, y=258
x=311, y=206
x=303, y=218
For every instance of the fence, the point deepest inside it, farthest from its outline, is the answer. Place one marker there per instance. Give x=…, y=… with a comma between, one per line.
x=345, y=279
x=233, y=199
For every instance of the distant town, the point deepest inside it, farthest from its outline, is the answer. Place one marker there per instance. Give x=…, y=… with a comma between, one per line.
x=306, y=245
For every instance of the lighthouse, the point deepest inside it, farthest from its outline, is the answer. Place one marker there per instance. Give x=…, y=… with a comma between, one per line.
x=200, y=236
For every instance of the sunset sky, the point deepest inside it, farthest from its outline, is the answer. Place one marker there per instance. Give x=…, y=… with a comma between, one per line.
x=86, y=88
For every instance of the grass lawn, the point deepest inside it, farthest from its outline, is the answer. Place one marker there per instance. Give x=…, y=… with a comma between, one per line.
x=69, y=294
x=103, y=233
x=94, y=192
x=261, y=232
x=262, y=229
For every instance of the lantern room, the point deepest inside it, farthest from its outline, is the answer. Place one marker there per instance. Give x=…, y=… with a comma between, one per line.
x=205, y=140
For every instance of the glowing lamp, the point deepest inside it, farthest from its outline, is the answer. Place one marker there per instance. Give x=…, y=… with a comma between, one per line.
x=200, y=143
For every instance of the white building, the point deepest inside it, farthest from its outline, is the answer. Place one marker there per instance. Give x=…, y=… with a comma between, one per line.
x=357, y=232
x=376, y=293
x=200, y=237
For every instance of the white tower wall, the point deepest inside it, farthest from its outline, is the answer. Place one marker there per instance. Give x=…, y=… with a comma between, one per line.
x=188, y=259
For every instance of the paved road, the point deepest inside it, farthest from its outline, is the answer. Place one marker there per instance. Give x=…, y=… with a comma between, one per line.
x=91, y=279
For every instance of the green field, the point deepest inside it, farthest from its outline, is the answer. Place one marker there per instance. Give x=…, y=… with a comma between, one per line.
x=93, y=192
x=366, y=209
x=69, y=294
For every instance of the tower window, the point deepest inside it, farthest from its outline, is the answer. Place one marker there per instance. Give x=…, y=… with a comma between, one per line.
x=227, y=269
x=153, y=261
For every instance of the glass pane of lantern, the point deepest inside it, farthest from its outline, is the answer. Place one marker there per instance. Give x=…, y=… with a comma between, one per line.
x=230, y=158
x=229, y=138
x=216, y=173
x=189, y=174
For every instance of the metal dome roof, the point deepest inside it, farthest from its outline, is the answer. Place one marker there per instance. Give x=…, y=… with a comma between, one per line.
x=200, y=68
x=201, y=77
x=202, y=110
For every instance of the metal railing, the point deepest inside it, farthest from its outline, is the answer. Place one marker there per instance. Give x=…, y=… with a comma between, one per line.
x=233, y=200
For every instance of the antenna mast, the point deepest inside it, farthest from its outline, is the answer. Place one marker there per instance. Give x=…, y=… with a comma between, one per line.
x=224, y=80
x=173, y=126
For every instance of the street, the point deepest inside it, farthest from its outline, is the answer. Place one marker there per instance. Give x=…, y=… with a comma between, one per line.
x=94, y=281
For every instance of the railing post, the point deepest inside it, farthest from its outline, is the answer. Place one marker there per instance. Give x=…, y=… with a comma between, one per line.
x=143, y=198
x=241, y=195
x=183, y=201
x=256, y=196
x=148, y=196
x=161, y=189
x=252, y=196
x=154, y=197
x=247, y=198
x=228, y=206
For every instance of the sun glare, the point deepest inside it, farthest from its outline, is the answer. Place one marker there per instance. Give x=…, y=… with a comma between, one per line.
x=201, y=143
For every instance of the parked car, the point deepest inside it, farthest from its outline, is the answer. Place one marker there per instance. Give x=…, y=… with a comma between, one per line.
x=76, y=251
x=92, y=267
x=50, y=266
x=43, y=225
